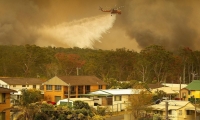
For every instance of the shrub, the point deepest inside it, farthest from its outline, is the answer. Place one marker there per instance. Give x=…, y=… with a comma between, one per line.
x=80, y=104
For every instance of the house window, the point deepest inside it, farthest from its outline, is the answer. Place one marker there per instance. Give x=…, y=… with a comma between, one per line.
x=48, y=87
x=109, y=100
x=58, y=87
x=3, y=98
x=189, y=112
x=118, y=98
x=23, y=85
x=2, y=116
x=100, y=86
x=180, y=112
x=5, y=86
x=170, y=112
x=87, y=89
x=34, y=86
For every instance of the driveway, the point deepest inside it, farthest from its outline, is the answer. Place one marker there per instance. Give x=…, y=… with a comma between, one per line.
x=118, y=117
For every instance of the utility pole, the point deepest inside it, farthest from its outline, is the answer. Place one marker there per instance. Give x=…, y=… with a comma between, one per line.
x=166, y=110
x=195, y=108
x=180, y=88
x=77, y=71
x=68, y=93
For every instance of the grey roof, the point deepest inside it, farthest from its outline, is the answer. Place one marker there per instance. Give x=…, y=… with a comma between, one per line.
x=21, y=81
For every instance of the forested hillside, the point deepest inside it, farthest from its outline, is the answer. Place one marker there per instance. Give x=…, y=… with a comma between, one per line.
x=152, y=64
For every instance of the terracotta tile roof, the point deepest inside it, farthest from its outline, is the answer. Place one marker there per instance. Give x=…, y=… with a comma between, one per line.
x=82, y=80
x=21, y=81
x=6, y=90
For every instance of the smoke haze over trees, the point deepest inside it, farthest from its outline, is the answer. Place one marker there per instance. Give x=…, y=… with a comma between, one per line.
x=152, y=64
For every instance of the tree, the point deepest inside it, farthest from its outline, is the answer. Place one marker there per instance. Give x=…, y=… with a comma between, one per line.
x=139, y=102
x=160, y=60
x=69, y=62
x=26, y=104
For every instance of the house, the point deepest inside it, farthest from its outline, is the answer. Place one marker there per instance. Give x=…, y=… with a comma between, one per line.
x=61, y=87
x=18, y=83
x=5, y=103
x=117, y=99
x=170, y=92
x=177, y=110
x=191, y=91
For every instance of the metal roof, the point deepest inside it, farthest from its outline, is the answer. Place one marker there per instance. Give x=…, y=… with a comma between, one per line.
x=111, y=92
x=194, y=85
x=168, y=90
x=172, y=105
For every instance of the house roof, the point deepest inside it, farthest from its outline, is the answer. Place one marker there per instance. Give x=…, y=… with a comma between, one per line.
x=153, y=86
x=172, y=105
x=174, y=85
x=111, y=92
x=167, y=90
x=194, y=85
x=6, y=90
x=21, y=81
x=82, y=80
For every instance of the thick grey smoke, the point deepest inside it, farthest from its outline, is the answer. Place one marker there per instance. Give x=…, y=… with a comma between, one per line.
x=171, y=23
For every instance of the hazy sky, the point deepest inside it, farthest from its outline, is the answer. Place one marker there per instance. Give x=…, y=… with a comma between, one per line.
x=69, y=23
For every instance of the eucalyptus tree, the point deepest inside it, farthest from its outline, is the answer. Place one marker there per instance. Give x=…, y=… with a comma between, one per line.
x=185, y=55
x=160, y=59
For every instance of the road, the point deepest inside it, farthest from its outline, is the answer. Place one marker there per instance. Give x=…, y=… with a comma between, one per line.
x=119, y=117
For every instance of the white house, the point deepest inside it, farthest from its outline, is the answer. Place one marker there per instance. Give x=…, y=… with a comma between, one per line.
x=117, y=99
x=17, y=83
x=177, y=110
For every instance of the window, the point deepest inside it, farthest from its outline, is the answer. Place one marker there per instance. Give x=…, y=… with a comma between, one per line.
x=100, y=86
x=87, y=89
x=189, y=112
x=4, y=86
x=180, y=112
x=48, y=87
x=118, y=98
x=109, y=100
x=72, y=89
x=58, y=87
x=23, y=85
x=34, y=86
x=170, y=112
x=3, y=98
x=2, y=116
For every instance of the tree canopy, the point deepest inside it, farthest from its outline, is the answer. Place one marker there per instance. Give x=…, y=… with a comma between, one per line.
x=153, y=63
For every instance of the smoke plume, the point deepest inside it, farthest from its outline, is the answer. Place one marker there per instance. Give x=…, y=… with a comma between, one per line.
x=170, y=23
x=68, y=23
x=80, y=33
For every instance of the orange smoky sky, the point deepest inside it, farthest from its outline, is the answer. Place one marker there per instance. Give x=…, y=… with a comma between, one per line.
x=171, y=23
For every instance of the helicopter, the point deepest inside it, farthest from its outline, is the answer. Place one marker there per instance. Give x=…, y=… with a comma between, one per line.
x=112, y=11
